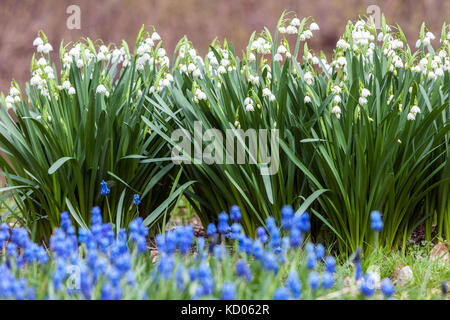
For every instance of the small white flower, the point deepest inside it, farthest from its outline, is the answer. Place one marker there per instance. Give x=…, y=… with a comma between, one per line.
x=309, y=78
x=266, y=92
x=341, y=61
x=282, y=30
x=430, y=35
x=155, y=36
x=48, y=70
x=249, y=107
x=336, y=89
x=42, y=62
x=411, y=116
x=165, y=82
x=272, y=97
x=197, y=73
x=314, y=26
x=47, y=48
x=225, y=62
x=337, y=99
x=362, y=101
x=38, y=42
x=251, y=57
x=80, y=63
x=221, y=69
x=71, y=91
x=295, y=22
x=415, y=110
x=336, y=111
x=343, y=44
x=191, y=67
x=278, y=57
x=291, y=30
x=308, y=34
x=101, y=56
x=307, y=99
x=101, y=89
x=248, y=100
x=161, y=52
x=66, y=85
x=281, y=49
x=365, y=93
x=9, y=99
x=200, y=94
x=14, y=91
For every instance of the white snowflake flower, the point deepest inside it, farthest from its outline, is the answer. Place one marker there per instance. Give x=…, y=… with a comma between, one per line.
x=295, y=22
x=101, y=89
x=362, y=101
x=314, y=27
x=278, y=57
x=415, y=110
x=249, y=107
x=38, y=42
x=155, y=36
x=365, y=93
x=336, y=111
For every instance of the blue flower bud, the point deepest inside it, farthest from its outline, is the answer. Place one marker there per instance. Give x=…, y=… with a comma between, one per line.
x=387, y=287
x=235, y=213
x=211, y=230
x=287, y=215
x=228, y=291
x=294, y=284
x=330, y=264
x=314, y=280
x=320, y=251
x=281, y=294
x=105, y=191
x=136, y=200
x=367, y=286
x=261, y=234
x=327, y=280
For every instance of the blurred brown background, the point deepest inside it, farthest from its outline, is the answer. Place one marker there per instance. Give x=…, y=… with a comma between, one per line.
x=200, y=20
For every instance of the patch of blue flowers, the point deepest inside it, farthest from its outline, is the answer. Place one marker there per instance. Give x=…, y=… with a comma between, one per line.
x=97, y=263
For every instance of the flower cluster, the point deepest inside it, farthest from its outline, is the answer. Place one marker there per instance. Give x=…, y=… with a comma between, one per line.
x=97, y=263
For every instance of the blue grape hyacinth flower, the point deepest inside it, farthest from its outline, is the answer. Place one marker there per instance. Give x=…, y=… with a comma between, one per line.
x=387, y=287
x=294, y=285
x=375, y=221
x=367, y=286
x=228, y=291
x=105, y=191
x=261, y=234
x=287, y=215
x=330, y=264
x=281, y=294
x=223, y=227
x=327, y=280
x=136, y=200
x=211, y=230
x=314, y=280
x=235, y=213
